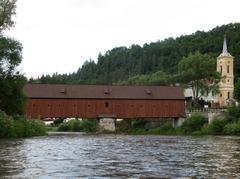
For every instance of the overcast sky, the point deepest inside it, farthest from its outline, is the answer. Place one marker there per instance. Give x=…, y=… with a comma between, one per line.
x=59, y=35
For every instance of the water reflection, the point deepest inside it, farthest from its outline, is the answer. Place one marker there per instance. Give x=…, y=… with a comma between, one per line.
x=12, y=158
x=121, y=156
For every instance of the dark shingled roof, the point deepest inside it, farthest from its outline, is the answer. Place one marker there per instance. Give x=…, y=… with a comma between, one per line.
x=66, y=91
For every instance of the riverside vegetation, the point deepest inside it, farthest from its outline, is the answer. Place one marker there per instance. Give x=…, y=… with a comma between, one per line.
x=197, y=124
x=19, y=126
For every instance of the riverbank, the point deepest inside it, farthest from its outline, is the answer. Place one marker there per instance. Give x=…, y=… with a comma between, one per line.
x=197, y=124
x=20, y=126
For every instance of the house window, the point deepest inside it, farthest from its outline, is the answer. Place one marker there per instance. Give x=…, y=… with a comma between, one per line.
x=213, y=93
x=228, y=69
x=106, y=104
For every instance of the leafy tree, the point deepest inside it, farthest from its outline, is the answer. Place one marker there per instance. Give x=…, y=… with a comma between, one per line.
x=198, y=71
x=7, y=10
x=121, y=63
x=237, y=89
x=11, y=81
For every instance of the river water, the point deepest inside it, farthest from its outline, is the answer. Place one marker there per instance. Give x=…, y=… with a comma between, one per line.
x=120, y=156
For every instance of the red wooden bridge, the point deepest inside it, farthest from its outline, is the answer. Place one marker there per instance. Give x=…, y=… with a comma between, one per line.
x=94, y=101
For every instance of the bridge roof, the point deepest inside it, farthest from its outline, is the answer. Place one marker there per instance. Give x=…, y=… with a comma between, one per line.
x=66, y=91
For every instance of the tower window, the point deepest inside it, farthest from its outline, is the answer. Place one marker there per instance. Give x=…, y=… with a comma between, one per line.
x=106, y=104
x=228, y=94
x=221, y=68
x=228, y=69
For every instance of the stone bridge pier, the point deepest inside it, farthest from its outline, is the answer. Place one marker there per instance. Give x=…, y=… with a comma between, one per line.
x=107, y=124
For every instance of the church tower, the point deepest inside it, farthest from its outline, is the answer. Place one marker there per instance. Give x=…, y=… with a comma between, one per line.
x=225, y=67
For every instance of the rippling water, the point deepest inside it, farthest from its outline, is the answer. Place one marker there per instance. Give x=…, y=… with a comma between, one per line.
x=120, y=156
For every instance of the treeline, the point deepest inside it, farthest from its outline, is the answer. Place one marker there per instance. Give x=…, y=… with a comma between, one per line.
x=122, y=63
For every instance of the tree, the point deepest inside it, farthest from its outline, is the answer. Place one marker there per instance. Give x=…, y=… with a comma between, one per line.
x=12, y=81
x=237, y=90
x=198, y=72
x=7, y=10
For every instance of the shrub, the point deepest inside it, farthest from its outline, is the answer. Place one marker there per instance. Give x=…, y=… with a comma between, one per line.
x=166, y=128
x=232, y=129
x=233, y=114
x=86, y=125
x=193, y=123
x=217, y=125
x=64, y=127
x=139, y=123
x=76, y=125
x=205, y=129
x=6, y=125
x=19, y=126
x=89, y=125
x=123, y=125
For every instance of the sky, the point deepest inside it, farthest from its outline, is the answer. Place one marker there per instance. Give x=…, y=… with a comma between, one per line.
x=60, y=35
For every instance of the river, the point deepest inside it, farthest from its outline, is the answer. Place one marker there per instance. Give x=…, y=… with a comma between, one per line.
x=120, y=156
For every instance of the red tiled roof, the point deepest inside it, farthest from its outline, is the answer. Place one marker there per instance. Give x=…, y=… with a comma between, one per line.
x=102, y=91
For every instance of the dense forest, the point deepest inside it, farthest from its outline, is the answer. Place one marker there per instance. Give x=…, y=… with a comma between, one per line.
x=136, y=64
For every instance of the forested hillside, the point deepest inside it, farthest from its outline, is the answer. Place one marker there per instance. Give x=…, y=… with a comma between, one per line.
x=157, y=58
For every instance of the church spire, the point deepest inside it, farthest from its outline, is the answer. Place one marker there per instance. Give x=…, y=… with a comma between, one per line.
x=224, y=51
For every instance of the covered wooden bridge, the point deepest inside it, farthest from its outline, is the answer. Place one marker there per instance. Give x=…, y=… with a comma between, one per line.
x=96, y=101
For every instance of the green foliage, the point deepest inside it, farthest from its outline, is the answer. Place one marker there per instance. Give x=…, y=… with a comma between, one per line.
x=232, y=129
x=165, y=129
x=233, y=114
x=157, y=78
x=237, y=89
x=7, y=9
x=197, y=71
x=121, y=63
x=217, y=126
x=12, y=99
x=85, y=125
x=124, y=125
x=19, y=126
x=139, y=123
x=193, y=123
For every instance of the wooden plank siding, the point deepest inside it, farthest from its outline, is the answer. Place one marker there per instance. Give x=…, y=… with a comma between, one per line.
x=93, y=108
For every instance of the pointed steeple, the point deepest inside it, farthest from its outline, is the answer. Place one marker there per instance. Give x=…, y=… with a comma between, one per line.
x=224, y=51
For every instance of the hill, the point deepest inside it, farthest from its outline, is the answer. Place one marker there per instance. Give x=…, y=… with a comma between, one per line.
x=161, y=57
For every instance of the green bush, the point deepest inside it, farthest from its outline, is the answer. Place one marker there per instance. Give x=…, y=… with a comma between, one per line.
x=233, y=114
x=193, y=123
x=205, y=129
x=19, y=126
x=89, y=125
x=123, y=125
x=139, y=123
x=217, y=125
x=232, y=129
x=6, y=125
x=166, y=128
x=85, y=125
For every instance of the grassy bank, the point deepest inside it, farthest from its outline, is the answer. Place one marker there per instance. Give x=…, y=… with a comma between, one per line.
x=19, y=126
